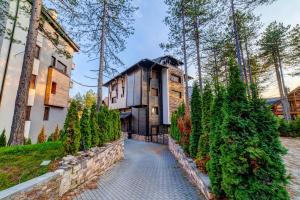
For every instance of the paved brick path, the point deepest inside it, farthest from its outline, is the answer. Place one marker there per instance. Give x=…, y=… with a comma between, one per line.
x=292, y=160
x=149, y=172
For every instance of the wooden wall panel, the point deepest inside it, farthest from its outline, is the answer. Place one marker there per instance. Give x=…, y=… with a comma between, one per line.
x=61, y=96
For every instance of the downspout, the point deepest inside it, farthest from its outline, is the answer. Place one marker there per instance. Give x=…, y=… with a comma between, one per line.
x=9, y=51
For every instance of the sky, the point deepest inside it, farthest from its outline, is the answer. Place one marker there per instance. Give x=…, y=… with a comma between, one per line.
x=150, y=31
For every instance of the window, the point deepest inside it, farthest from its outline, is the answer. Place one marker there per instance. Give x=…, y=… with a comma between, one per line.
x=154, y=92
x=154, y=111
x=114, y=100
x=154, y=130
x=175, y=78
x=28, y=111
x=37, y=52
x=32, y=82
x=53, y=88
x=177, y=94
x=61, y=67
x=46, y=113
x=53, y=61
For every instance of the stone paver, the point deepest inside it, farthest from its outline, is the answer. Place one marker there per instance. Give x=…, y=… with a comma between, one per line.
x=148, y=172
x=292, y=161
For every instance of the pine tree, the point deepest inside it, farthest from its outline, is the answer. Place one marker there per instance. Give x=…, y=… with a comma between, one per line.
x=42, y=136
x=196, y=120
x=95, y=130
x=3, y=139
x=203, y=145
x=71, y=133
x=85, y=130
x=237, y=133
x=215, y=141
x=268, y=177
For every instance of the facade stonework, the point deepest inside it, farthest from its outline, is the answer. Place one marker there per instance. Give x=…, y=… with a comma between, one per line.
x=73, y=172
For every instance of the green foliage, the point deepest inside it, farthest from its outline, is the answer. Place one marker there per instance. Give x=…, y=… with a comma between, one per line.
x=42, y=136
x=267, y=177
x=85, y=130
x=95, y=130
x=215, y=139
x=71, y=133
x=109, y=123
x=237, y=133
x=175, y=132
x=203, y=145
x=3, y=139
x=196, y=110
x=21, y=163
x=289, y=129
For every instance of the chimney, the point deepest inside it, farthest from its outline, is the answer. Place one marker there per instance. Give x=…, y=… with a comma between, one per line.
x=53, y=13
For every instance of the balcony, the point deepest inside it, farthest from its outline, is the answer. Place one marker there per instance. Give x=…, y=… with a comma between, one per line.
x=57, y=89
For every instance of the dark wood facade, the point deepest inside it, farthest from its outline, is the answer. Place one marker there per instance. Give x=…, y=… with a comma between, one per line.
x=294, y=100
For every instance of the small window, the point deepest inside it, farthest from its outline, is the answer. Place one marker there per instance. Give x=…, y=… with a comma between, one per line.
x=53, y=88
x=175, y=78
x=46, y=113
x=114, y=100
x=53, y=61
x=28, y=111
x=61, y=67
x=32, y=82
x=37, y=52
x=154, y=92
x=154, y=111
x=177, y=94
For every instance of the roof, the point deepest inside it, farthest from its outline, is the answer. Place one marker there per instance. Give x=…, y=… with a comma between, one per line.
x=144, y=62
x=57, y=27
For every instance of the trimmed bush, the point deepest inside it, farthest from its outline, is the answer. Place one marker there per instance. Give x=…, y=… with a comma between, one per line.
x=42, y=136
x=196, y=120
x=85, y=130
x=267, y=177
x=203, y=145
x=214, y=165
x=95, y=130
x=238, y=131
x=71, y=133
x=3, y=139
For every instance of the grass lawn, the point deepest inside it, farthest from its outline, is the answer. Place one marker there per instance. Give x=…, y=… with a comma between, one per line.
x=21, y=163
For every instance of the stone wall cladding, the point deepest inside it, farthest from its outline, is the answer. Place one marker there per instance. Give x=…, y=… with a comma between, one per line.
x=73, y=171
x=200, y=180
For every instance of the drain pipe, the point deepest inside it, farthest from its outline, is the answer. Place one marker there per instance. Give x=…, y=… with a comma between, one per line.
x=9, y=51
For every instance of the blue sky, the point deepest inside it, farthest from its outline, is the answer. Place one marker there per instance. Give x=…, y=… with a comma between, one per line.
x=150, y=31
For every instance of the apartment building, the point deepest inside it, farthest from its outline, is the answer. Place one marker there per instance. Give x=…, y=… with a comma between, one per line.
x=50, y=81
x=147, y=94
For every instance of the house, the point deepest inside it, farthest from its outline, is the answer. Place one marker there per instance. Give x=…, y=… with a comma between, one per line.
x=294, y=100
x=147, y=94
x=50, y=81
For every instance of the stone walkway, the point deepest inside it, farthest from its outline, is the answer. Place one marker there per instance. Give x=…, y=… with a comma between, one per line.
x=292, y=160
x=148, y=172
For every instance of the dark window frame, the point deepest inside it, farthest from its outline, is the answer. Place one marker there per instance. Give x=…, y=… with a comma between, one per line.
x=46, y=113
x=53, y=87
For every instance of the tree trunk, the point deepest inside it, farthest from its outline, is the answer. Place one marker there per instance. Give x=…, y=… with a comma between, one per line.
x=197, y=42
x=185, y=61
x=281, y=91
x=102, y=55
x=18, y=123
x=285, y=93
x=237, y=40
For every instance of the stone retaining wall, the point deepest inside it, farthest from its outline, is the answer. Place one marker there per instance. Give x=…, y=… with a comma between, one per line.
x=73, y=171
x=200, y=180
